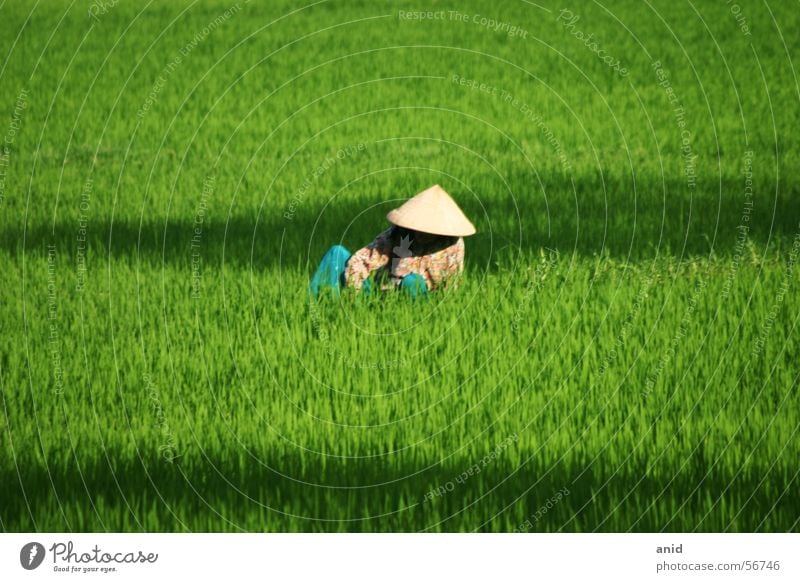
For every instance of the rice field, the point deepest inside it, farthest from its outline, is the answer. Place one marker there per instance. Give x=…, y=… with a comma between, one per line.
x=622, y=354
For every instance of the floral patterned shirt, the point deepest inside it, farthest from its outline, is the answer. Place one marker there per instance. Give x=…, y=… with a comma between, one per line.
x=395, y=253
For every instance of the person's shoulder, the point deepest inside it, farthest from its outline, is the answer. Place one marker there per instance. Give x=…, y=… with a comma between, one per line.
x=458, y=248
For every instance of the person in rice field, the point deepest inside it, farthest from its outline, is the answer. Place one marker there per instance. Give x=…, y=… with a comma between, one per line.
x=422, y=251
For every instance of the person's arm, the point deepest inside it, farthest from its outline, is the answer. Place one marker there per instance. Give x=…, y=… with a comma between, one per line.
x=447, y=265
x=458, y=261
x=368, y=259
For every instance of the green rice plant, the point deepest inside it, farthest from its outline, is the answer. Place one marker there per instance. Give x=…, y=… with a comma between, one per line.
x=620, y=356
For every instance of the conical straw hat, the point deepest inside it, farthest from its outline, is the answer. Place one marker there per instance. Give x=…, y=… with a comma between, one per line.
x=434, y=212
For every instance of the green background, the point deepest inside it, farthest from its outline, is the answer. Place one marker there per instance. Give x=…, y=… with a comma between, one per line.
x=621, y=356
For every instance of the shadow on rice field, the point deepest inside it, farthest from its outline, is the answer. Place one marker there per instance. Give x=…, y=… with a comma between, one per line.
x=587, y=224
x=171, y=496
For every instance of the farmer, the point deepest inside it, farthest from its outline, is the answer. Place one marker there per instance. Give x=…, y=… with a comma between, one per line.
x=422, y=251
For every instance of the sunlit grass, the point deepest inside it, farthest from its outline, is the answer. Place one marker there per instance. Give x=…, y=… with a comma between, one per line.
x=616, y=340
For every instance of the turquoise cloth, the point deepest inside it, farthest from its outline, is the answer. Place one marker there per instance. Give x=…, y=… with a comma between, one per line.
x=330, y=275
x=414, y=285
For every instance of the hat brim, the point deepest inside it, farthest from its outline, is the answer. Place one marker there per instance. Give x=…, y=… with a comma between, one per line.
x=432, y=211
x=441, y=229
